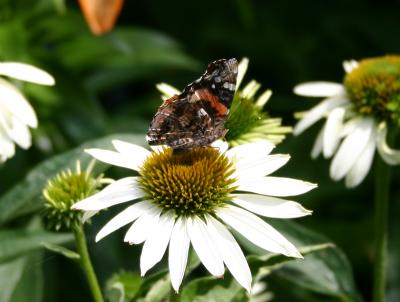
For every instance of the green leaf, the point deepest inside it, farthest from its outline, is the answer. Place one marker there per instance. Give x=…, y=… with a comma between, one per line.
x=154, y=288
x=210, y=289
x=21, y=280
x=26, y=196
x=30, y=286
x=326, y=272
x=14, y=243
x=61, y=250
x=123, y=287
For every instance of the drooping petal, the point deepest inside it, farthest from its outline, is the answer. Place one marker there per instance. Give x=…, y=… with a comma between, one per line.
x=128, y=215
x=261, y=166
x=178, y=253
x=362, y=165
x=351, y=148
x=205, y=247
x=275, y=186
x=122, y=190
x=350, y=65
x=124, y=160
x=143, y=226
x=19, y=133
x=257, y=231
x=389, y=155
x=318, y=112
x=157, y=242
x=231, y=253
x=319, y=89
x=332, y=131
x=26, y=73
x=15, y=102
x=318, y=144
x=270, y=206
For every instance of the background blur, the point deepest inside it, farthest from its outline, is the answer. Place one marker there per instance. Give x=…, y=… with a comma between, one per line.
x=106, y=85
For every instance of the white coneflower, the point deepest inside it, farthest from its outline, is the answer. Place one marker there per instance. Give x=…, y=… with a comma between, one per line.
x=358, y=114
x=247, y=121
x=16, y=114
x=194, y=197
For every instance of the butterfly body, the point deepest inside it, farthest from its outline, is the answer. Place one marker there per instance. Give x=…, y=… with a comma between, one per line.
x=196, y=117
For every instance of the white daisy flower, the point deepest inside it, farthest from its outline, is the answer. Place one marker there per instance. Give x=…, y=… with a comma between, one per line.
x=358, y=114
x=195, y=197
x=16, y=114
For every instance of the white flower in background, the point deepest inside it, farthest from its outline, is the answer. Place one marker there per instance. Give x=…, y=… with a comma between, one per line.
x=16, y=114
x=247, y=121
x=358, y=114
x=195, y=197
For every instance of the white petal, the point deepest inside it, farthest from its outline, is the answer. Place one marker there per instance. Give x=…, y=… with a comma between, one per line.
x=26, y=72
x=157, y=242
x=205, y=247
x=257, y=231
x=221, y=145
x=318, y=112
x=15, y=102
x=120, y=191
x=332, y=131
x=351, y=148
x=128, y=215
x=389, y=155
x=242, y=68
x=319, y=89
x=361, y=167
x=178, y=253
x=231, y=253
x=7, y=147
x=19, y=133
x=87, y=215
x=275, y=186
x=131, y=150
x=317, y=147
x=270, y=206
x=255, y=150
x=350, y=65
x=167, y=90
x=124, y=160
x=142, y=227
x=261, y=166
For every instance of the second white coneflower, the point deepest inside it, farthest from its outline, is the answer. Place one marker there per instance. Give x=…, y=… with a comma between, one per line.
x=195, y=197
x=358, y=114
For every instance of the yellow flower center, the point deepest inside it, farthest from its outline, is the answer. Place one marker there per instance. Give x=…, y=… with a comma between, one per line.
x=374, y=87
x=192, y=182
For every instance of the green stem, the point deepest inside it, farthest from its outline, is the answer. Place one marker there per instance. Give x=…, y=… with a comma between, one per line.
x=382, y=185
x=86, y=264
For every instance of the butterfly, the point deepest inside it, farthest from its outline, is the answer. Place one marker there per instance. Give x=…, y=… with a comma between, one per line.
x=196, y=117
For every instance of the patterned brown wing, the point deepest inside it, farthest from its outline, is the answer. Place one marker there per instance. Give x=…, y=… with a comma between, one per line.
x=197, y=116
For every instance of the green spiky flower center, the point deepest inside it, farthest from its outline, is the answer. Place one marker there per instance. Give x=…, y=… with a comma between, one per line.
x=62, y=192
x=244, y=116
x=192, y=182
x=374, y=88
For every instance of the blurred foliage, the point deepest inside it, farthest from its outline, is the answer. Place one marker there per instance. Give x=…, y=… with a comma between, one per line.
x=105, y=85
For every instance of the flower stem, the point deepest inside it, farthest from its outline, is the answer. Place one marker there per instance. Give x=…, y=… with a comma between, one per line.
x=86, y=264
x=382, y=185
